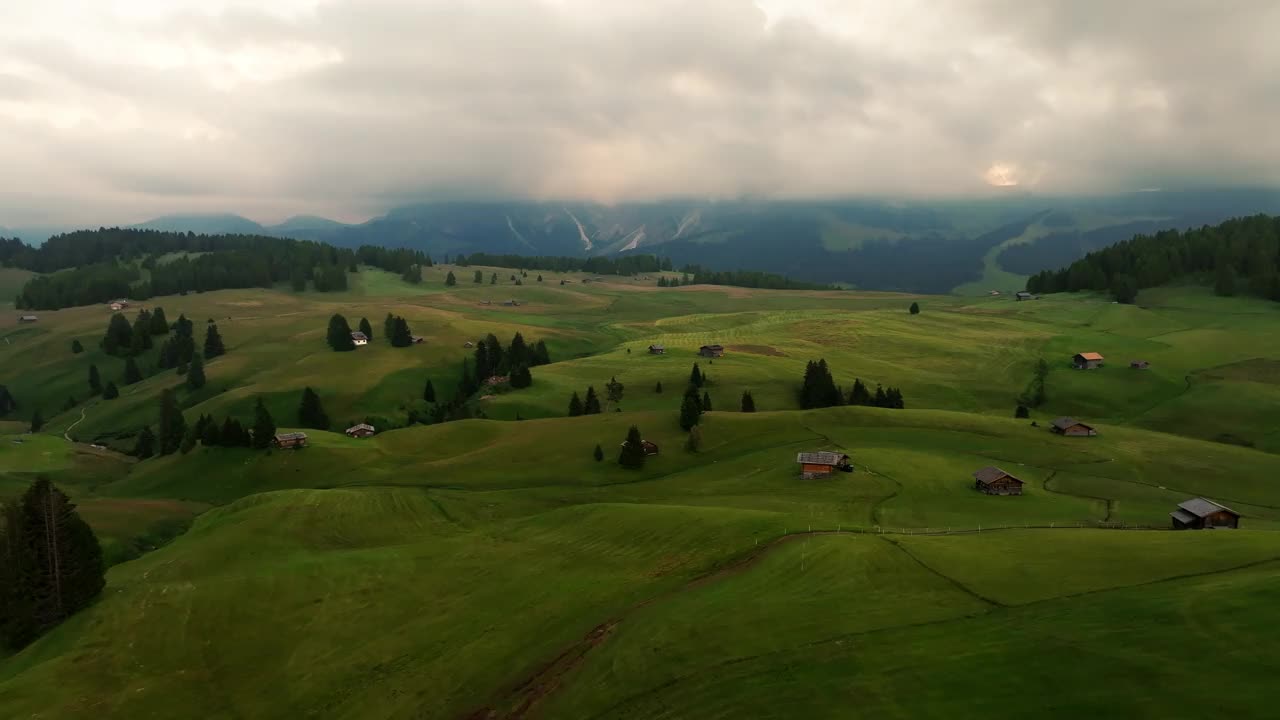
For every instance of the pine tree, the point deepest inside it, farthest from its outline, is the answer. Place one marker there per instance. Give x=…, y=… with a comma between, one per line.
x=706, y=402
x=658, y=387
x=339, y=335
x=518, y=351
x=209, y=435
x=429, y=392
x=540, y=354
x=748, y=402
x=859, y=395
x=131, y=373
x=140, y=340
x=264, y=427
x=310, y=413
x=575, y=405
x=172, y=424
x=95, y=381
x=76, y=347
x=110, y=392
x=145, y=446
x=479, y=277
x=400, y=335
x=613, y=391
x=1022, y=412
x=591, y=406
x=598, y=454
x=366, y=328
x=195, y=374
x=37, y=421
x=690, y=409
x=493, y=279
x=521, y=377
x=632, y=454
x=915, y=308
x=7, y=402
x=189, y=441
x=119, y=336
x=695, y=377
x=880, y=400
x=413, y=275
x=539, y=278
x=449, y=279
x=693, y=443
x=213, y=342
x=159, y=325
x=388, y=326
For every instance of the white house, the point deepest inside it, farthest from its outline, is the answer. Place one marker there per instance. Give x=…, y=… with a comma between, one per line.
x=359, y=338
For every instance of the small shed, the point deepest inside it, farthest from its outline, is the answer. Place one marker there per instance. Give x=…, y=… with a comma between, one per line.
x=994, y=481
x=290, y=440
x=822, y=464
x=1139, y=364
x=28, y=318
x=1086, y=361
x=497, y=380
x=359, y=338
x=363, y=430
x=417, y=339
x=468, y=344
x=657, y=350
x=1073, y=427
x=511, y=303
x=649, y=448
x=711, y=351
x=1023, y=295
x=1204, y=514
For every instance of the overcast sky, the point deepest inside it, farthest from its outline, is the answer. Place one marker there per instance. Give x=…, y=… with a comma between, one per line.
x=119, y=110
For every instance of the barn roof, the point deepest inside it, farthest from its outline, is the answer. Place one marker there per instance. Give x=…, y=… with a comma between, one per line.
x=657, y=346
x=1183, y=517
x=1090, y=356
x=712, y=347
x=990, y=474
x=1063, y=423
x=1202, y=507
x=357, y=335
x=291, y=436
x=821, y=458
x=361, y=426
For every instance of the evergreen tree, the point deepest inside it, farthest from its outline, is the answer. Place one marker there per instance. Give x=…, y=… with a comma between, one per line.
x=298, y=279
x=400, y=335
x=484, y=368
x=195, y=374
x=159, y=325
x=413, y=275
x=613, y=391
x=518, y=352
x=145, y=446
x=429, y=392
x=539, y=278
x=449, y=279
x=310, y=412
x=1022, y=412
x=366, y=328
x=233, y=434
x=658, y=387
x=388, y=326
x=76, y=347
x=131, y=372
x=213, y=342
x=818, y=389
x=37, y=421
x=881, y=399
x=693, y=443
x=632, y=454
x=140, y=338
x=493, y=279
x=7, y=402
x=695, y=377
x=690, y=409
x=209, y=435
x=748, y=402
x=859, y=395
x=264, y=427
x=1124, y=288
x=915, y=308
x=598, y=454
x=51, y=563
x=497, y=356
x=521, y=377
x=110, y=392
x=591, y=406
x=188, y=441
x=119, y=336
x=172, y=424
x=339, y=335
x=479, y=277
x=540, y=354
x=575, y=405
x=95, y=381
x=706, y=402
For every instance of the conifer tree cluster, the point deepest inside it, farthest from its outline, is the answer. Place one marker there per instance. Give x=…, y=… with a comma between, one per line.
x=339, y=334
x=632, y=454
x=213, y=346
x=310, y=413
x=50, y=564
x=492, y=359
x=882, y=397
x=400, y=335
x=690, y=408
x=177, y=351
x=819, y=390
x=230, y=433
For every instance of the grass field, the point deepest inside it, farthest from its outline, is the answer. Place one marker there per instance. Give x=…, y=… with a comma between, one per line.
x=490, y=568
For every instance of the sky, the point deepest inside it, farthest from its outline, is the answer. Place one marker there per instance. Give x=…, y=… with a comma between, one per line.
x=114, y=111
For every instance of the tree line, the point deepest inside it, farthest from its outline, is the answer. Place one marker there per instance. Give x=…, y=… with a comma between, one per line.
x=621, y=265
x=1239, y=256
x=818, y=389
x=698, y=275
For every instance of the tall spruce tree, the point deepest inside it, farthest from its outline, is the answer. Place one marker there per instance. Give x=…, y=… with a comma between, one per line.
x=690, y=408
x=339, y=335
x=575, y=405
x=449, y=279
x=695, y=376
x=518, y=352
x=140, y=340
x=429, y=392
x=37, y=421
x=613, y=391
x=915, y=308
x=76, y=347
x=706, y=402
x=366, y=328
x=213, y=342
x=632, y=454
x=159, y=325
x=521, y=377
x=657, y=388
x=310, y=412
x=479, y=277
x=7, y=402
x=119, y=336
x=172, y=424
x=95, y=380
x=540, y=354
x=195, y=374
x=591, y=405
x=264, y=427
x=110, y=392
x=400, y=335
x=748, y=402
x=388, y=326
x=145, y=446
x=131, y=372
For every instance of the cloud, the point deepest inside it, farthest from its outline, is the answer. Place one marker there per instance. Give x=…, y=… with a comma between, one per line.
x=117, y=111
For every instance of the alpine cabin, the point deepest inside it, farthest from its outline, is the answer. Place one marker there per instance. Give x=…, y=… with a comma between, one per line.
x=363, y=430
x=291, y=440
x=1072, y=427
x=1086, y=361
x=994, y=481
x=28, y=318
x=649, y=448
x=822, y=464
x=1204, y=514
x=657, y=350
x=1139, y=365
x=1023, y=295
x=711, y=351
x=359, y=338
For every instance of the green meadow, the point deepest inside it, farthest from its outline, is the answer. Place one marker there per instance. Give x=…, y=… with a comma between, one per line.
x=491, y=568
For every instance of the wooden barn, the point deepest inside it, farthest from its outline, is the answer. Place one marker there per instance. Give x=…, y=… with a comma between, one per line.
x=994, y=481
x=1140, y=365
x=1086, y=361
x=822, y=464
x=359, y=338
x=1072, y=427
x=649, y=448
x=1204, y=514
x=657, y=350
x=711, y=351
x=1023, y=295
x=28, y=318
x=291, y=440
x=363, y=430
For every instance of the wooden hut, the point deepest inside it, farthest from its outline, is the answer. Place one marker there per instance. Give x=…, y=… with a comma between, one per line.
x=289, y=440
x=359, y=338
x=822, y=464
x=711, y=351
x=1086, y=361
x=1072, y=427
x=994, y=481
x=362, y=430
x=657, y=350
x=1139, y=364
x=1204, y=514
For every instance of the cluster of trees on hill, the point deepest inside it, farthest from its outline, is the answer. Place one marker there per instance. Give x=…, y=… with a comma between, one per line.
x=619, y=265
x=98, y=265
x=50, y=563
x=1237, y=256
x=819, y=390
x=175, y=435
x=489, y=360
x=698, y=275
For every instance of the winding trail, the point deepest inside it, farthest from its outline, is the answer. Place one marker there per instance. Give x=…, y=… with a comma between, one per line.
x=72, y=426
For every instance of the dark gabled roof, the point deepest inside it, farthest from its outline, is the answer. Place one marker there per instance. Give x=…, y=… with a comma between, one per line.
x=1183, y=517
x=357, y=335
x=361, y=426
x=712, y=347
x=821, y=458
x=657, y=347
x=291, y=436
x=1063, y=423
x=990, y=474
x=1203, y=507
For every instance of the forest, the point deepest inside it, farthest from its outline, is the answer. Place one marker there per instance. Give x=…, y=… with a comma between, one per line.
x=623, y=265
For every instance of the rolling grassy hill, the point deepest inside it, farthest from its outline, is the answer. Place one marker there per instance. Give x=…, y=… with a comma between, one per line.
x=493, y=569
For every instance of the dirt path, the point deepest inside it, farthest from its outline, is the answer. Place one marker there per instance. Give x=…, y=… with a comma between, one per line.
x=72, y=426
